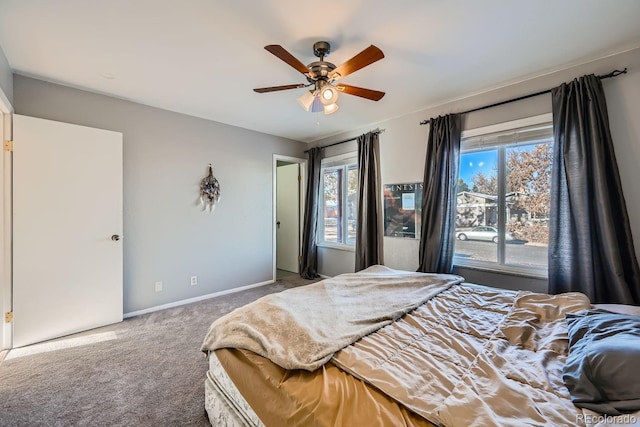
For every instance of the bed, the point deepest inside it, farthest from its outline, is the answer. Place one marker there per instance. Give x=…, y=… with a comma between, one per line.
x=384, y=347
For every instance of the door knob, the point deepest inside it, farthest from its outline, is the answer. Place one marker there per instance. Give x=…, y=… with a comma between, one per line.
x=115, y=237
x=278, y=224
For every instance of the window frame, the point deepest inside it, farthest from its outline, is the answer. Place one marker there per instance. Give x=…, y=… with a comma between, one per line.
x=342, y=161
x=499, y=265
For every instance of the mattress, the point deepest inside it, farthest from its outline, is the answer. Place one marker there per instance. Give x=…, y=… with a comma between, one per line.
x=223, y=403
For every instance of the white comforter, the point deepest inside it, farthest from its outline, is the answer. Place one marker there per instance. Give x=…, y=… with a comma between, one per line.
x=302, y=328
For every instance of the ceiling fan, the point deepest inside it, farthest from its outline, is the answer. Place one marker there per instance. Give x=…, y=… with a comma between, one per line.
x=323, y=75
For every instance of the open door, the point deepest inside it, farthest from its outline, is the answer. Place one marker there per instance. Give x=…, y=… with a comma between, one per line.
x=67, y=228
x=288, y=205
x=288, y=217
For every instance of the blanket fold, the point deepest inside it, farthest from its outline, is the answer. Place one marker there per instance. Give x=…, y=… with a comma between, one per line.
x=474, y=356
x=302, y=328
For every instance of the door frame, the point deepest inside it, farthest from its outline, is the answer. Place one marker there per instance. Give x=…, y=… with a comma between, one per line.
x=301, y=197
x=6, y=207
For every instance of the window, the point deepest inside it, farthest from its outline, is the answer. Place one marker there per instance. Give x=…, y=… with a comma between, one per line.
x=503, y=199
x=338, y=201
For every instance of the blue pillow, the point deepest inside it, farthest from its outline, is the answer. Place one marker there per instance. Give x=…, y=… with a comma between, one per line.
x=602, y=371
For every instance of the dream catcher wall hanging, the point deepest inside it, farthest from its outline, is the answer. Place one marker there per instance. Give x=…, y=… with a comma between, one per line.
x=209, y=191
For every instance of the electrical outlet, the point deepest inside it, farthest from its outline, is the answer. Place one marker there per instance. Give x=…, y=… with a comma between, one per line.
x=194, y=280
x=158, y=286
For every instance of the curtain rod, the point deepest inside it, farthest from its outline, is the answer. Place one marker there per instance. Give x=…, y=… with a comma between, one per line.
x=520, y=98
x=347, y=140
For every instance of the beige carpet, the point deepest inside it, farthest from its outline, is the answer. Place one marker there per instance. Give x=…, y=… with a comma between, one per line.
x=145, y=371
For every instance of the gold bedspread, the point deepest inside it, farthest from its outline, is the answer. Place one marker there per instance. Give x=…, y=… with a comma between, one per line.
x=327, y=397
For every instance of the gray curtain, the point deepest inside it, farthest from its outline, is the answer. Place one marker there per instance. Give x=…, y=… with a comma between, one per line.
x=590, y=244
x=368, y=226
x=309, y=259
x=437, y=236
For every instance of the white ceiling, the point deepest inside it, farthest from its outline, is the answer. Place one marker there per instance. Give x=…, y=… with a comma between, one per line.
x=204, y=57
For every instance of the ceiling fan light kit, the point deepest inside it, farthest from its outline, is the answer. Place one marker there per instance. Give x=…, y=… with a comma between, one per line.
x=316, y=106
x=323, y=75
x=320, y=100
x=331, y=108
x=329, y=94
x=306, y=100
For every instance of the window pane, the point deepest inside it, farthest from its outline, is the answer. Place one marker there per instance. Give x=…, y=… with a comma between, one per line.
x=477, y=214
x=516, y=160
x=332, y=209
x=352, y=203
x=338, y=208
x=528, y=199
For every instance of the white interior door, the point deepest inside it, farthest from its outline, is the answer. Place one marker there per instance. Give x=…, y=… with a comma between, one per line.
x=67, y=208
x=287, y=217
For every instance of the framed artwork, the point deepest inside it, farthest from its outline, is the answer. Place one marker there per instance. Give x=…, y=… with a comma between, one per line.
x=402, y=210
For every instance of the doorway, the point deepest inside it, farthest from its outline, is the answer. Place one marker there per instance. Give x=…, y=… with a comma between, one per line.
x=288, y=205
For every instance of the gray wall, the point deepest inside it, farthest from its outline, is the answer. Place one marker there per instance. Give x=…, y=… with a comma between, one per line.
x=166, y=236
x=403, y=149
x=6, y=79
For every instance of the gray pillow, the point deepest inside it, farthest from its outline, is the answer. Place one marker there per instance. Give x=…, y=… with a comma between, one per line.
x=602, y=371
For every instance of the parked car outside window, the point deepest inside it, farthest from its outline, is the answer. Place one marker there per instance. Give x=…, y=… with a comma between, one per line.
x=485, y=233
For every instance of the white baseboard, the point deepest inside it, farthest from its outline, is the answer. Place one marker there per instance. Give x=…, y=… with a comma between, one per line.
x=195, y=299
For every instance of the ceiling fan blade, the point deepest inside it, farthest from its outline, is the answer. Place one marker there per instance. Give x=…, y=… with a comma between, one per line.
x=374, y=95
x=361, y=60
x=275, y=88
x=283, y=54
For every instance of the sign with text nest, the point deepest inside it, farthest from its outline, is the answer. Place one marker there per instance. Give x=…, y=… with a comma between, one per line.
x=402, y=210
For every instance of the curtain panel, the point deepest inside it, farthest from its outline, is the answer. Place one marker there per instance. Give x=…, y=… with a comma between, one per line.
x=309, y=259
x=437, y=236
x=369, y=218
x=590, y=245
